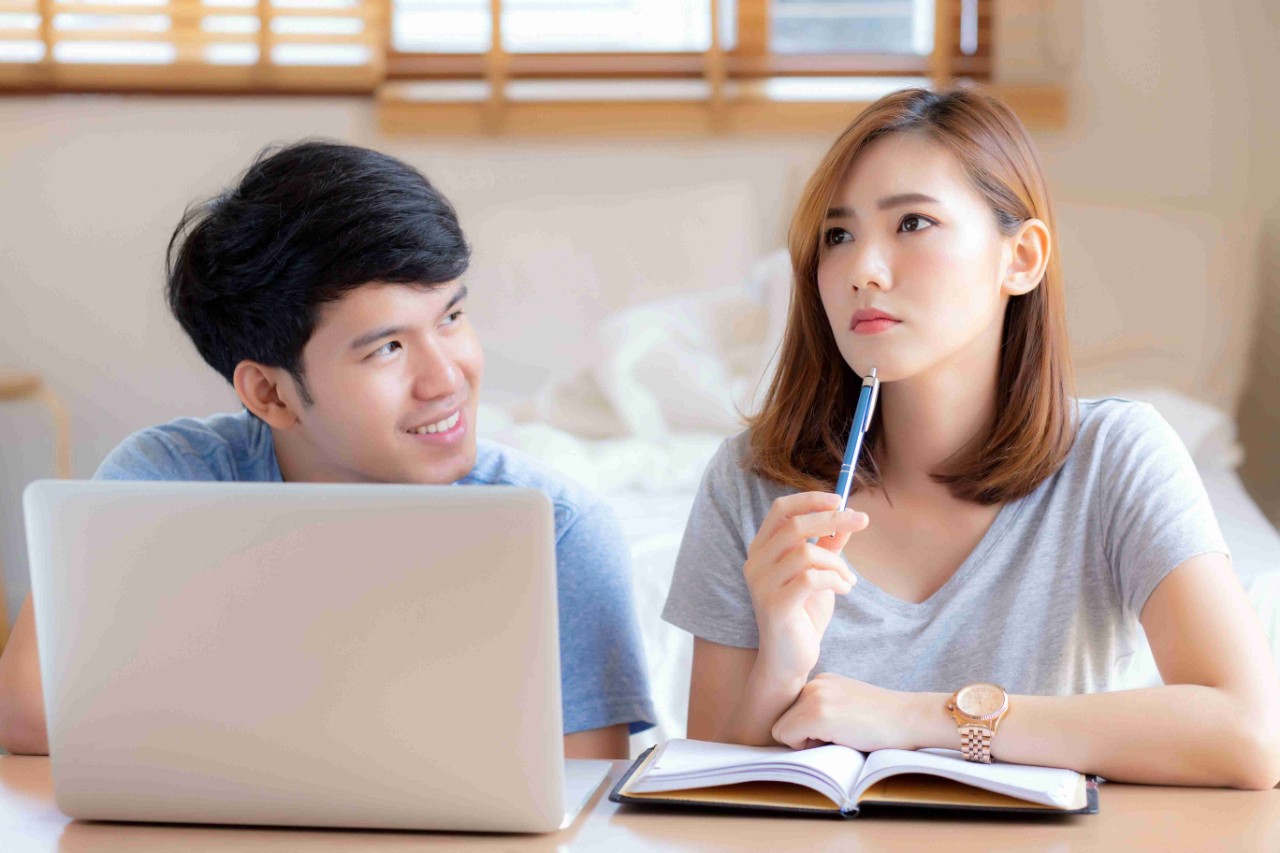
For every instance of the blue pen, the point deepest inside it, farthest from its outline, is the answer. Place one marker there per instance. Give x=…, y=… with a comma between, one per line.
x=861, y=420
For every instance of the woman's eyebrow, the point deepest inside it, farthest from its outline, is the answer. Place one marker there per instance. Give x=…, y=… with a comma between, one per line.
x=883, y=204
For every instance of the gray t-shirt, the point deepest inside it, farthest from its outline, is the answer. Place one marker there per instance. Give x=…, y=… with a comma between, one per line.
x=1047, y=603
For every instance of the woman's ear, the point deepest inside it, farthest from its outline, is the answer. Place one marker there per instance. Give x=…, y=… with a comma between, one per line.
x=258, y=387
x=1028, y=258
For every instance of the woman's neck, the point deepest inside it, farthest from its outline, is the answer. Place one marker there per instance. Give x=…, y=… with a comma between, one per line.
x=931, y=417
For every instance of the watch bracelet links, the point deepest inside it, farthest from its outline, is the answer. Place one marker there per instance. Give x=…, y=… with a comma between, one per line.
x=975, y=743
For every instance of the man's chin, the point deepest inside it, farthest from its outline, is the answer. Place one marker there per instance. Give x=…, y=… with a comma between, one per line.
x=447, y=471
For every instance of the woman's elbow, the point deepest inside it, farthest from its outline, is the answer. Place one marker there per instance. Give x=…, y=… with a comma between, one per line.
x=1261, y=774
x=1256, y=764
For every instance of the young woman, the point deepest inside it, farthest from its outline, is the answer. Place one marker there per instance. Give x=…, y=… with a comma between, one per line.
x=1001, y=532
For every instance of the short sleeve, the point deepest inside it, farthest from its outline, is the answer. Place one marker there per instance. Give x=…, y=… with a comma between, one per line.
x=1155, y=511
x=146, y=455
x=709, y=595
x=604, y=679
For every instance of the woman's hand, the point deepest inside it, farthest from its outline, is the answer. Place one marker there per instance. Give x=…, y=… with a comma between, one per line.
x=835, y=709
x=793, y=583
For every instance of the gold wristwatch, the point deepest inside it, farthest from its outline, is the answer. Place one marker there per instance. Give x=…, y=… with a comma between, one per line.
x=978, y=709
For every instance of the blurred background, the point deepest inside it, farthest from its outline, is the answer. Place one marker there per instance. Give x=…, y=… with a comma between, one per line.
x=626, y=171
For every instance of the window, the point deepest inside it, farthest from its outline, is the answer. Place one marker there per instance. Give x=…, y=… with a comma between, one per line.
x=233, y=45
x=554, y=26
x=851, y=26
x=565, y=64
x=576, y=66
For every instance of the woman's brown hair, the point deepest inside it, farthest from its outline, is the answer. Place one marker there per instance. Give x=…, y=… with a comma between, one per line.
x=798, y=436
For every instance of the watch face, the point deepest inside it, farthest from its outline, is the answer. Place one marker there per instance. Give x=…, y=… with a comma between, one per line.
x=980, y=700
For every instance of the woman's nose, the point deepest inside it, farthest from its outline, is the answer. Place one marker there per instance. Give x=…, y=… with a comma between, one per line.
x=868, y=269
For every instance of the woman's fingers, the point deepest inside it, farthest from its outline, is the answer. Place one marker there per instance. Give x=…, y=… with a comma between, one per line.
x=835, y=543
x=788, y=506
x=795, y=554
x=813, y=582
x=796, y=591
x=803, y=559
x=798, y=530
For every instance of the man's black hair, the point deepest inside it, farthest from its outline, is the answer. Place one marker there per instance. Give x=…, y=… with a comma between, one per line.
x=248, y=271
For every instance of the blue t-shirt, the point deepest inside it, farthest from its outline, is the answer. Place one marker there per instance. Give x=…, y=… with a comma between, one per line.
x=602, y=667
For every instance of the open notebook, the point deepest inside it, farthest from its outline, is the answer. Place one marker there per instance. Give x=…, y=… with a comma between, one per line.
x=839, y=780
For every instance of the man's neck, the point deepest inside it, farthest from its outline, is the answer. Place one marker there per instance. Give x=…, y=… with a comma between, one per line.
x=296, y=459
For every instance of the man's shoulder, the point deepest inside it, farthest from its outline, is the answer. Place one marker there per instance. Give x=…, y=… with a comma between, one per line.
x=500, y=465
x=233, y=446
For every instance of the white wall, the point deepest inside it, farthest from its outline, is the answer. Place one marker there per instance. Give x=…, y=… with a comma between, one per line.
x=1163, y=176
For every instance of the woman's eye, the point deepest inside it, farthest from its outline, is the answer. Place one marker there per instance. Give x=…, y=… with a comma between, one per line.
x=834, y=236
x=388, y=348
x=915, y=222
x=453, y=317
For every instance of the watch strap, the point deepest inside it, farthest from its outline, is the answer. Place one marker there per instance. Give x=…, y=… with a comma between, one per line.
x=975, y=743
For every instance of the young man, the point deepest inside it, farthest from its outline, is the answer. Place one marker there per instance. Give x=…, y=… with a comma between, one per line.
x=326, y=287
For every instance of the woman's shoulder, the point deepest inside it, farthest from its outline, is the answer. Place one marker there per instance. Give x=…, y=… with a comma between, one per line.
x=1119, y=424
x=730, y=471
x=1125, y=446
x=734, y=453
x=732, y=461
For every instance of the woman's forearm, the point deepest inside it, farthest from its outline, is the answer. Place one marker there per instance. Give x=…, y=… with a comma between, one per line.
x=1181, y=734
x=762, y=699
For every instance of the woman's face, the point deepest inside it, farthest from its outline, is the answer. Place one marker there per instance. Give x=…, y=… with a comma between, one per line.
x=908, y=236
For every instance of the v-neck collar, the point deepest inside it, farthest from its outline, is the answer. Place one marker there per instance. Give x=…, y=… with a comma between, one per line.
x=1003, y=521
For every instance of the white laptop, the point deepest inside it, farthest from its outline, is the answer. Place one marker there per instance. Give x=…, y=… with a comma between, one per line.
x=302, y=654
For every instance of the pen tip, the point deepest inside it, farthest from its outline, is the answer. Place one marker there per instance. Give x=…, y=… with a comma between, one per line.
x=873, y=372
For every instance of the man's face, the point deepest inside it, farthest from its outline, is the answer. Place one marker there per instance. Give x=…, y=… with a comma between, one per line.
x=394, y=375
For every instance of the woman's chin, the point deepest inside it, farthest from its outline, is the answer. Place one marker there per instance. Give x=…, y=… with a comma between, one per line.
x=887, y=370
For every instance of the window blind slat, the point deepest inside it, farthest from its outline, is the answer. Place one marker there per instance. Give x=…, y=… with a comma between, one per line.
x=194, y=44
x=284, y=44
x=750, y=58
x=20, y=34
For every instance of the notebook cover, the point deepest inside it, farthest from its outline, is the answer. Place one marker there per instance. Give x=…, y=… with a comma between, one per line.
x=743, y=800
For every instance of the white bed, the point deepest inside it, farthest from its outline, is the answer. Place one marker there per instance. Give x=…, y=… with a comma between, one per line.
x=639, y=423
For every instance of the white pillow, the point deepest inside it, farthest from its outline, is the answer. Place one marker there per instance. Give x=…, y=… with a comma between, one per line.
x=686, y=363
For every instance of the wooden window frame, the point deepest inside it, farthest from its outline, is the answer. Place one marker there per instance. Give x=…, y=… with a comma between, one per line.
x=191, y=75
x=732, y=87
x=749, y=58
x=735, y=95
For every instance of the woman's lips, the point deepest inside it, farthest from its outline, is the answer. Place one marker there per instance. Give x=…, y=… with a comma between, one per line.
x=874, y=327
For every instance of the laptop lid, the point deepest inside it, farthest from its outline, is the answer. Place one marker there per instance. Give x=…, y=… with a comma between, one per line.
x=299, y=654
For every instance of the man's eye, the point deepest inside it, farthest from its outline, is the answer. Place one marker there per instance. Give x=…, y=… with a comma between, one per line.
x=388, y=348
x=915, y=222
x=453, y=316
x=833, y=236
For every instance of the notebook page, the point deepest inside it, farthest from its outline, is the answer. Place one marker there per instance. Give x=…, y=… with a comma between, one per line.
x=830, y=770
x=1050, y=786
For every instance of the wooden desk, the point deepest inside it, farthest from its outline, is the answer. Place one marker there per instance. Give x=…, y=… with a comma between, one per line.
x=1132, y=817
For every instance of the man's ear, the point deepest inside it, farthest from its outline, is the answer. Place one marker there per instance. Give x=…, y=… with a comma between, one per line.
x=1028, y=258
x=258, y=387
